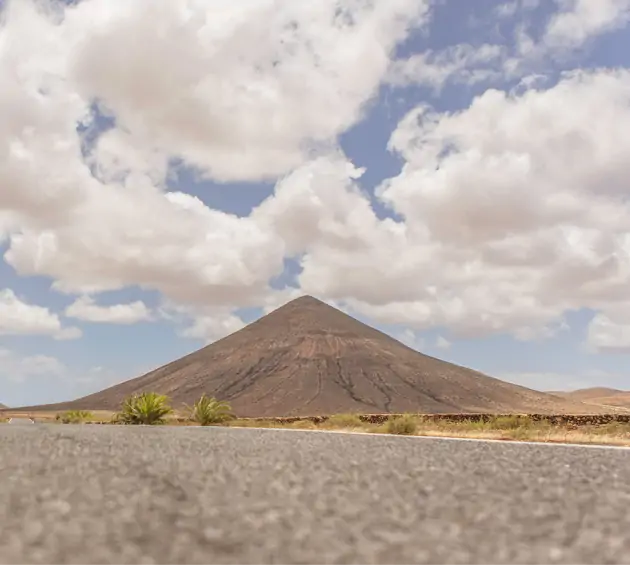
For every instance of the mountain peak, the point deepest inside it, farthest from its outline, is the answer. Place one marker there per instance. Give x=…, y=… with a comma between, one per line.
x=307, y=357
x=310, y=315
x=306, y=300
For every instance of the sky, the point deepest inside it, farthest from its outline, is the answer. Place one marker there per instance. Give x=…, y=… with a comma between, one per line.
x=453, y=173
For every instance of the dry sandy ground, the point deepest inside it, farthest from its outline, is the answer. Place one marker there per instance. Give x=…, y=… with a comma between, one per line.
x=614, y=433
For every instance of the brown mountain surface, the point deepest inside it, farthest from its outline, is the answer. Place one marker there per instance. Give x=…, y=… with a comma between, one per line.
x=584, y=394
x=307, y=358
x=600, y=396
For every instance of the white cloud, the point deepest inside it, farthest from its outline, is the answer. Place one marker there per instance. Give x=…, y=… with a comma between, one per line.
x=568, y=31
x=211, y=328
x=609, y=331
x=442, y=343
x=507, y=10
x=172, y=75
x=577, y=21
x=27, y=380
x=306, y=67
x=410, y=339
x=84, y=308
x=16, y=368
x=20, y=318
x=205, y=323
x=462, y=63
x=513, y=213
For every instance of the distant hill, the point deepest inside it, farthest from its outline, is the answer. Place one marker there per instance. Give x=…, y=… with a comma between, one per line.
x=307, y=358
x=599, y=396
x=3, y=406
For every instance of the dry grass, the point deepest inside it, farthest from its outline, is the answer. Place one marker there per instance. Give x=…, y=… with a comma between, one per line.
x=50, y=417
x=406, y=425
x=347, y=421
x=520, y=428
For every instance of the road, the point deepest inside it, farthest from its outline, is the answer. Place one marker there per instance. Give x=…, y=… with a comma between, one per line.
x=20, y=421
x=112, y=494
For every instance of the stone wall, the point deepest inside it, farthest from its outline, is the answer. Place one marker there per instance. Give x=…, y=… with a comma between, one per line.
x=556, y=419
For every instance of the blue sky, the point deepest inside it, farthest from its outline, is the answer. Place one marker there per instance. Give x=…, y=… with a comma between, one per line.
x=158, y=198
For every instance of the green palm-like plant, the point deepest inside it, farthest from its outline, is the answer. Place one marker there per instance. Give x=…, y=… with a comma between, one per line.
x=208, y=410
x=148, y=408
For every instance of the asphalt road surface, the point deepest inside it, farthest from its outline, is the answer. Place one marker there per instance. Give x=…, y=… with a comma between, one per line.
x=110, y=494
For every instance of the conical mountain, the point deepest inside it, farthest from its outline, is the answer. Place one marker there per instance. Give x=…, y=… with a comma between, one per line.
x=307, y=358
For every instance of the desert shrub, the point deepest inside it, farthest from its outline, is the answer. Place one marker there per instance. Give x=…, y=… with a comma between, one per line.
x=148, y=408
x=73, y=416
x=344, y=421
x=208, y=410
x=402, y=425
x=468, y=425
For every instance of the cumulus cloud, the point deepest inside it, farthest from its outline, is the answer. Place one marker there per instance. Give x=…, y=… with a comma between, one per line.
x=240, y=91
x=21, y=318
x=84, y=308
x=512, y=213
x=505, y=215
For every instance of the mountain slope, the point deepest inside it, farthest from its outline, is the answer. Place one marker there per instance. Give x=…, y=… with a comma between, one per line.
x=599, y=396
x=307, y=358
x=586, y=394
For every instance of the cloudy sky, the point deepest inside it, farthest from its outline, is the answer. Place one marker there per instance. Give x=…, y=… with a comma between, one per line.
x=453, y=172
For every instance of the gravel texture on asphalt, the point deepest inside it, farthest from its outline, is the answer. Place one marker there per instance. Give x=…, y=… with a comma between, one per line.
x=113, y=494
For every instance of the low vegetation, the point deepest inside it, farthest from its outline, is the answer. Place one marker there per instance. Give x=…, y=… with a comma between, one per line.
x=405, y=425
x=148, y=408
x=151, y=408
x=74, y=417
x=208, y=410
x=344, y=421
x=517, y=427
